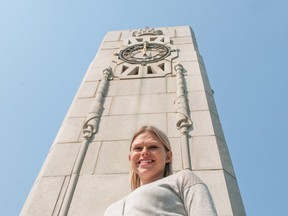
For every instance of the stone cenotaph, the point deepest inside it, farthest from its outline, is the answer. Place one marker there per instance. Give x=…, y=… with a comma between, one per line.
x=151, y=76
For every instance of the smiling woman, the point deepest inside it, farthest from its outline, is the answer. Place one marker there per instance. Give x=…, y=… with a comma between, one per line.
x=150, y=156
x=155, y=190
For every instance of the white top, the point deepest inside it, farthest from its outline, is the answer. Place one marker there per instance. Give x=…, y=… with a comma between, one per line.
x=182, y=193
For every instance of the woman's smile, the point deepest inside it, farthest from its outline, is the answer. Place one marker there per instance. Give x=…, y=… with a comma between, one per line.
x=144, y=162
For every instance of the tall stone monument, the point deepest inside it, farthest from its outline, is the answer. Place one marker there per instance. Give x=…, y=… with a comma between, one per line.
x=138, y=77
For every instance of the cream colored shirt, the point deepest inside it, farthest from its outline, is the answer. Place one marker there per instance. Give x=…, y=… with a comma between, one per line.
x=182, y=193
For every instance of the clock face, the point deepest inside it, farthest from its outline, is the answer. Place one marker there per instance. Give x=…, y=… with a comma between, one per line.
x=144, y=53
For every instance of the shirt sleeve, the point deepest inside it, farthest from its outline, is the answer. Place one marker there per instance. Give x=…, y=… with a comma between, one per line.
x=198, y=201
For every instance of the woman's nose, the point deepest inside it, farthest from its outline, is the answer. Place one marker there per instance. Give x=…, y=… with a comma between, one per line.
x=145, y=151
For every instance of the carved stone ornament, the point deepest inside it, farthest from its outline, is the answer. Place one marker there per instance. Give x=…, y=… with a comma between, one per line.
x=145, y=56
x=145, y=53
x=183, y=121
x=92, y=120
x=147, y=31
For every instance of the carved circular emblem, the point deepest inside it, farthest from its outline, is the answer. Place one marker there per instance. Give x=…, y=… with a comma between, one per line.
x=144, y=53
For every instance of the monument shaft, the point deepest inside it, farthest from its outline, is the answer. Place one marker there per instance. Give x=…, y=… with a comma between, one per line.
x=138, y=77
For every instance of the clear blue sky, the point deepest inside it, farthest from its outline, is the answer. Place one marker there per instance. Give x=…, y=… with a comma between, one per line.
x=46, y=47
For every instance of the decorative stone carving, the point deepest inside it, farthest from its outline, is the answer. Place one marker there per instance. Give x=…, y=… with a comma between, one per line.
x=145, y=56
x=89, y=129
x=91, y=124
x=147, y=31
x=183, y=121
x=144, y=53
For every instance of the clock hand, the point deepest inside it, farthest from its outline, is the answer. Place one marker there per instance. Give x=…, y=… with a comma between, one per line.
x=145, y=44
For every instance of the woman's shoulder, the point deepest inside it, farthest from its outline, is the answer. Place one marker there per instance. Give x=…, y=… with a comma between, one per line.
x=186, y=177
x=115, y=208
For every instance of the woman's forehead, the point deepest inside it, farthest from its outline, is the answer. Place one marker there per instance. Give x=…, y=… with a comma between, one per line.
x=146, y=136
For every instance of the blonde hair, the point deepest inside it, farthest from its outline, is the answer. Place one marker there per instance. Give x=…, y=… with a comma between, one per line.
x=134, y=177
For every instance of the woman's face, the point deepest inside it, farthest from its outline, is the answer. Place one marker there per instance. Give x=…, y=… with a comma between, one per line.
x=148, y=157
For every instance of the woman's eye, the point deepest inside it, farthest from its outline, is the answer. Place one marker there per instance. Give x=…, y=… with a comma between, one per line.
x=137, y=149
x=153, y=147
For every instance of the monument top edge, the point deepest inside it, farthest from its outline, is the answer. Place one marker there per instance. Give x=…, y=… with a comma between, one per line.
x=173, y=31
x=155, y=28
